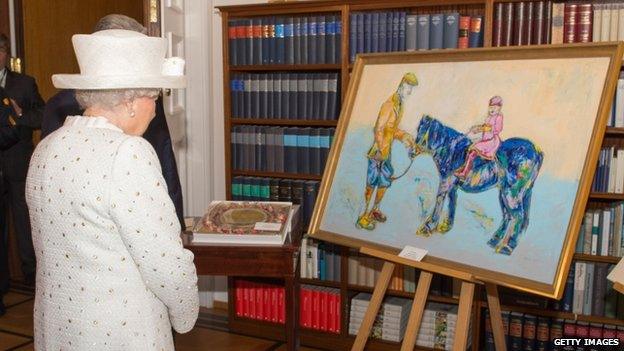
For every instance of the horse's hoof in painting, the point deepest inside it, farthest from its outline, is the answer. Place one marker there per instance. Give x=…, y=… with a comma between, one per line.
x=504, y=249
x=444, y=226
x=493, y=242
x=365, y=222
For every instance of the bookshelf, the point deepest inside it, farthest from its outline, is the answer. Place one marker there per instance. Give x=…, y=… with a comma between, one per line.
x=342, y=10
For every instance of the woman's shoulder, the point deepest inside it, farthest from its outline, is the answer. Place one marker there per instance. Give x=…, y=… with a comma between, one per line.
x=134, y=149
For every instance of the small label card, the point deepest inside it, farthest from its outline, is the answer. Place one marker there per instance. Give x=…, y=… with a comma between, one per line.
x=268, y=227
x=413, y=253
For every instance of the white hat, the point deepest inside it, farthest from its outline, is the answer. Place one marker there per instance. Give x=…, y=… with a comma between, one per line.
x=122, y=59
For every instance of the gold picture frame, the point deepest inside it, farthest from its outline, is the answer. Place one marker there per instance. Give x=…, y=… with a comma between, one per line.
x=608, y=54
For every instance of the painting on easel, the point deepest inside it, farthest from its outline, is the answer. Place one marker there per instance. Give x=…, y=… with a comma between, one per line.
x=483, y=158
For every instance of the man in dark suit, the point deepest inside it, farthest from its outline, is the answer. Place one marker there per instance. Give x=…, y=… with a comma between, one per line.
x=64, y=104
x=9, y=136
x=25, y=99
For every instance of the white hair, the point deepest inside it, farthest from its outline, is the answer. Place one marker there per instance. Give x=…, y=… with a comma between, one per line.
x=110, y=98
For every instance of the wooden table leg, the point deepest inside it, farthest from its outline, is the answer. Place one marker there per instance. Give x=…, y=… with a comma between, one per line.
x=463, y=316
x=292, y=313
x=373, y=307
x=418, y=308
x=495, y=316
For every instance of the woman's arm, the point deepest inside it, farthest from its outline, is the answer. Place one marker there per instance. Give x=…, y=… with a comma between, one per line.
x=150, y=229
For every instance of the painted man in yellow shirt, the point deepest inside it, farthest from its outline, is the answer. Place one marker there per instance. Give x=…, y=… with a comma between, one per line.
x=379, y=173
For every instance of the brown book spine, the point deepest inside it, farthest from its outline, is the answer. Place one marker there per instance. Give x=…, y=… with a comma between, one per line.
x=570, y=19
x=538, y=23
x=546, y=30
x=497, y=28
x=585, y=23
x=464, y=28
x=508, y=18
x=527, y=38
x=518, y=28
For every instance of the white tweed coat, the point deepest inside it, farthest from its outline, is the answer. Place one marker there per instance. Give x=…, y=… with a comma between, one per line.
x=111, y=270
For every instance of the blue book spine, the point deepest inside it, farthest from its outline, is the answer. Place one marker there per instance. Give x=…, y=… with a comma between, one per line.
x=395, y=31
x=338, y=40
x=290, y=150
x=568, y=292
x=352, y=37
x=475, y=36
x=321, y=261
x=383, y=32
x=360, y=33
x=312, y=39
x=402, y=15
x=279, y=40
x=304, y=33
x=330, y=39
x=289, y=42
x=368, y=32
x=375, y=32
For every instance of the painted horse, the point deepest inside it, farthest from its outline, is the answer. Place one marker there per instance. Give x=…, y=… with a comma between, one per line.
x=513, y=171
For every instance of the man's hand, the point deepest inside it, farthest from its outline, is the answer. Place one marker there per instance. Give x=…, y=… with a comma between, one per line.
x=17, y=108
x=411, y=152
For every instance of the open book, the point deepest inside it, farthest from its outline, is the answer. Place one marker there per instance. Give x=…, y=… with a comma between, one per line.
x=244, y=223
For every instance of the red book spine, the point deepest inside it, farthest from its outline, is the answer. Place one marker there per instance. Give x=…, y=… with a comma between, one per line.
x=582, y=330
x=569, y=329
x=609, y=332
x=323, y=322
x=316, y=309
x=584, y=25
x=302, y=305
x=570, y=19
x=497, y=27
x=246, y=308
x=595, y=331
x=331, y=312
x=252, y=300
x=464, y=27
x=338, y=312
x=249, y=33
x=281, y=300
x=239, y=298
x=274, y=304
x=260, y=301
x=256, y=31
x=620, y=334
x=266, y=302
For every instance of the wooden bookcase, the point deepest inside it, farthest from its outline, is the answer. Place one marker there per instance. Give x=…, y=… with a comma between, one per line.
x=343, y=9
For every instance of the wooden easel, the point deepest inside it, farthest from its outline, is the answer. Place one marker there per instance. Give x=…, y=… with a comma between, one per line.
x=466, y=299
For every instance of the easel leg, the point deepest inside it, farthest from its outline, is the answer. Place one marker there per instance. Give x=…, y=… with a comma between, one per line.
x=418, y=307
x=495, y=316
x=373, y=306
x=463, y=316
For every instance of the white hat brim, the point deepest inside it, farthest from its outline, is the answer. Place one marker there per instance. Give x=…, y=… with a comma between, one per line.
x=81, y=82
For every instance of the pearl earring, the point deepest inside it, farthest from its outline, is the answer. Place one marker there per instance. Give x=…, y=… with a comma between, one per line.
x=132, y=114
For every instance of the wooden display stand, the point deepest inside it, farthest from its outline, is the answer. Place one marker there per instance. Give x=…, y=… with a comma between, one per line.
x=466, y=300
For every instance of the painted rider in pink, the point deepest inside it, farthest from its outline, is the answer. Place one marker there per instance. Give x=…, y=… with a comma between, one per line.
x=490, y=139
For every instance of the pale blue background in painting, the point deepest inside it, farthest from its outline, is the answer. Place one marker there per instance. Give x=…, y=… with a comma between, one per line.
x=551, y=102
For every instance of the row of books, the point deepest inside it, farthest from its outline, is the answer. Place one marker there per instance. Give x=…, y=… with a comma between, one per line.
x=601, y=232
x=320, y=260
x=391, y=320
x=319, y=308
x=260, y=301
x=588, y=292
x=364, y=271
x=390, y=31
x=294, y=96
x=299, y=192
x=609, y=175
x=607, y=21
x=529, y=332
x=280, y=149
x=523, y=23
x=285, y=40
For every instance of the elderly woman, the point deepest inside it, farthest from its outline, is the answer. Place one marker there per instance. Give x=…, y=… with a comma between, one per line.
x=111, y=270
